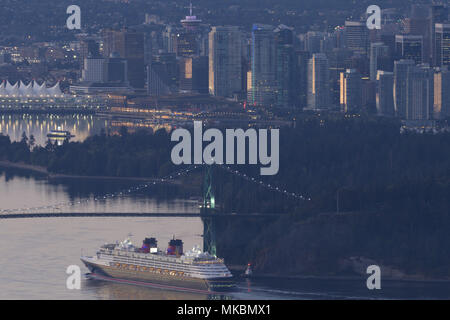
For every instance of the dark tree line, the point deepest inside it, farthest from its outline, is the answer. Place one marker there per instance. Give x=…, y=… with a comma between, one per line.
x=141, y=154
x=394, y=200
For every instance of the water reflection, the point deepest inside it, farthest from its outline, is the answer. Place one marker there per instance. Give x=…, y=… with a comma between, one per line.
x=116, y=291
x=22, y=190
x=39, y=125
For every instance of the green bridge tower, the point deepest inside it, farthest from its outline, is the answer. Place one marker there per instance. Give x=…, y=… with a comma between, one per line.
x=208, y=207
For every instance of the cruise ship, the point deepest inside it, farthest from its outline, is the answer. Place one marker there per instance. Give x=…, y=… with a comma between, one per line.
x=172, y=269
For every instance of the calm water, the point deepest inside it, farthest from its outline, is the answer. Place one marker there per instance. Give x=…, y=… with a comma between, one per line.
x=81, y=126
x=34, y=254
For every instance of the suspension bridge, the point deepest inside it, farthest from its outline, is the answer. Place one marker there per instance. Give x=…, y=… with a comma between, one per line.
x=208, y=212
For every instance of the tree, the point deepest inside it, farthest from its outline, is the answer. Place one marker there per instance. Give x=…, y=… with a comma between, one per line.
x=31, y=142
x=24, y=139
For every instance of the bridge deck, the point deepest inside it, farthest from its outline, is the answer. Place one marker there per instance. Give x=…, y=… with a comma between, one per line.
x=132, y=214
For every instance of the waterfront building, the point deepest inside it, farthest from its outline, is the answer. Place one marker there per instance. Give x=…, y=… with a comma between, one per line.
x=94, y=70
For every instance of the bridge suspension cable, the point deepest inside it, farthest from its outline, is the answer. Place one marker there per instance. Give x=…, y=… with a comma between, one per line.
x=120, y=193
x=158, y=181
x=265, y=185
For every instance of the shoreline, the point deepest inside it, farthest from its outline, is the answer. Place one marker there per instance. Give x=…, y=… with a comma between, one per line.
x=54, y=176
x=262, y=276
x=238, y=270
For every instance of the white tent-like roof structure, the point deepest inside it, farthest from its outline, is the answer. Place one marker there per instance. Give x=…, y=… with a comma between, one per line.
x=32, y=90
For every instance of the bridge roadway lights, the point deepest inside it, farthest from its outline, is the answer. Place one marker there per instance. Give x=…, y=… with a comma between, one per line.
x=208, y=215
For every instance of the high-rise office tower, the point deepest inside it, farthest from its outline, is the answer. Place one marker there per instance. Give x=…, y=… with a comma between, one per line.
x=357, y=36
x=418, y=25
x=130, y=46
x=369, y=94
x=169, y=69
x=318, y=82
x=385, y=93
x=285, y=66
x=225, y=61
x=401, y=69
x=193, y=74
x=379, y=56
x=301, y=75
x=170, y=39
x=313, y=40
x=409, y=47
x=339, y=60
x=156, y=84
x=438, y=14
x=420, y=93
x=351, y=90
x=263, y=65
x=442, y=44
x=442, y=93
x=163, y=74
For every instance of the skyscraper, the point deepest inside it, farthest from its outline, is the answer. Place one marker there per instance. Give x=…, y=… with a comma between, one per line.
x=156, y=82
x=401, y=69
x=263, y=65
x=130, y=46
x=418, y=25
x=162, y=74
x=313, y=41
x=442, y=44
x=301, y=75
x=385, y=94
x=193, y=74
x=438, y=14
x=442, y=93
x=318, y=82
x=357, y=36
x=339, y=61
x=225, y=61
x=285, y=66
x=378, y=52
x=409, y=47
x=351, y=90
x=420, y=93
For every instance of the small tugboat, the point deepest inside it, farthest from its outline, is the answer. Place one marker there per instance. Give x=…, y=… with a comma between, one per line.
x=248, y=272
